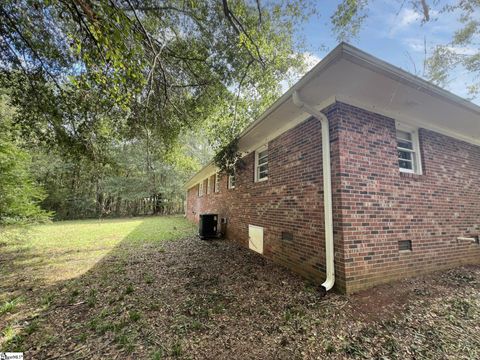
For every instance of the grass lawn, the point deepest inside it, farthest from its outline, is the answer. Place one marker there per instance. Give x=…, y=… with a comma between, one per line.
x=148, y=289
x=36, y=260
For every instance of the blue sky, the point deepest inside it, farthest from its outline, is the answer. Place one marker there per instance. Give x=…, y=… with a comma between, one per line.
x=392, y=33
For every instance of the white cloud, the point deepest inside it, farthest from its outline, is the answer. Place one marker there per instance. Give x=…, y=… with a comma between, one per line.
x=463, y=50
x=311, y=60
x=415, y=44
x=404, y=20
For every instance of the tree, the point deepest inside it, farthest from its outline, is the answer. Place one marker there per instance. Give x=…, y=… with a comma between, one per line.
x=105, y=89
x=156, y=66
x=19, y=194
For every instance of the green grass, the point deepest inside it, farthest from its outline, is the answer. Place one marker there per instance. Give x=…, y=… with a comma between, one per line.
x=42, y=257
x=67, y=249
x=8, y=306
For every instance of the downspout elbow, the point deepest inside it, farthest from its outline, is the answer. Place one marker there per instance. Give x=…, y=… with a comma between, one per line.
x=327, y=190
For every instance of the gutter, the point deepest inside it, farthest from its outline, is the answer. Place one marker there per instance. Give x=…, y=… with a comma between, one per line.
x=327, y=189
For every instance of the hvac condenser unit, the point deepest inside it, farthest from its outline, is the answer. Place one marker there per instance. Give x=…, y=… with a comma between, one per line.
x=207, y=226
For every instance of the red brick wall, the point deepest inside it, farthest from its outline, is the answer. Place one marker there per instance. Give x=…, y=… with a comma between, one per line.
x=290, y=200
x=380, y=205
x=374, y=204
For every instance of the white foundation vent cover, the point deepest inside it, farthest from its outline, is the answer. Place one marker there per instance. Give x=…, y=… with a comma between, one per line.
x=255, y=238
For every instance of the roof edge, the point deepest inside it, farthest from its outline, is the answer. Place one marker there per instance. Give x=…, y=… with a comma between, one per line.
x=362, y=58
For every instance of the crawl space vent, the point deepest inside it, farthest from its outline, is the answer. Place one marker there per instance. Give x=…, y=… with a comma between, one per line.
x=405, y=245
x=287, y=236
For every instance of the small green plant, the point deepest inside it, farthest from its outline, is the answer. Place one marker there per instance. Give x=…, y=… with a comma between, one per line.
x=177, y=349
x=8, y=333
x=105, y=327
x=125, y=342
x=73, y=295
x=129, y=290
x=157, y=355
x=329, y=348
x=93, y=323
x=353, y=348
x=117, y=327
x=8, y=306
x=391, y=346
x=82, y=338
x=134, y=315
x=47, y=300
x=32, y=327
x=91, y=301
x=154, y=306
x=148, y=279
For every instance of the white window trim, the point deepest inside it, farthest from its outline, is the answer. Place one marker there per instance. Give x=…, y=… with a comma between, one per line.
x=209, y=190
x=230, y=177
x=200, y=188
x=259, y=150
x=216, y=184
x=416, y=148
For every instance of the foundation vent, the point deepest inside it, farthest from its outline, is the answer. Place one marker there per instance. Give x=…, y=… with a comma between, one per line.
x=405, y=245
x=287, y=236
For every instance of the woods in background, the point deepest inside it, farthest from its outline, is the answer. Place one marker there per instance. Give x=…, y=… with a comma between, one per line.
x=114, y=102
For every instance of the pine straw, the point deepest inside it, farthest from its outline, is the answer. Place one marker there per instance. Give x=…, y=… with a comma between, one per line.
x=215, y=300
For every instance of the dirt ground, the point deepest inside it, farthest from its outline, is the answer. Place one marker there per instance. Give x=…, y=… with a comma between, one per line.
x=193, y=299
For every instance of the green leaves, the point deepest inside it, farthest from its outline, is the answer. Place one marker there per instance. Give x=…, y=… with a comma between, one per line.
x=19, y=194
x=349, y=17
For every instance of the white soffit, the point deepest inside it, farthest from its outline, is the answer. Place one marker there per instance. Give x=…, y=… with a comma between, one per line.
x=375, y=91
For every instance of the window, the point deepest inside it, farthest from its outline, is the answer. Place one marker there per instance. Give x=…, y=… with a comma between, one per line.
x=208, y=185
x=408, y=150
x=231, y=181
x=217, y=182
x=200, y=188
x=261, y=164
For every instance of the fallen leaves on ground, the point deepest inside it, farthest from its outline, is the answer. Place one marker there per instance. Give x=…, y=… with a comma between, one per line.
x=198, y=299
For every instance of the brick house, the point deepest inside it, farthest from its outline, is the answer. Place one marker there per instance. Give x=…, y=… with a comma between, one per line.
x=402, y=196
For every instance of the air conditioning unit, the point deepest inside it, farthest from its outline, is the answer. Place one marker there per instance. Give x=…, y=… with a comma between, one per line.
x=207, y=226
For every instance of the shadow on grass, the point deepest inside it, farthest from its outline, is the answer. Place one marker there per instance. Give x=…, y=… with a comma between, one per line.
x=150, y=297
x=28, y=297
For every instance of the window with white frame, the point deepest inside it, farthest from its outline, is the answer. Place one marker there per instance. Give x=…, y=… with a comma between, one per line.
x=217, y=182
x=231, y=181
x=261, y=164
x=209, y=185
x=200, y=188
x=408, y=150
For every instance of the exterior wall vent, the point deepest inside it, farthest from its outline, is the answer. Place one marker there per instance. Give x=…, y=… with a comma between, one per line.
x=405, y=245
x=287, y=236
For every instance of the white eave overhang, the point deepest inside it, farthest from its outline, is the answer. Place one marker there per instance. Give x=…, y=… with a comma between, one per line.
x=352, y=76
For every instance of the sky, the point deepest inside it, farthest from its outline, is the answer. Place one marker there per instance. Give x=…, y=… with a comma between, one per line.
x=393, y=33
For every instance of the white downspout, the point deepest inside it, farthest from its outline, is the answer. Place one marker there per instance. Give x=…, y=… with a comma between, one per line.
x=327, y=189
